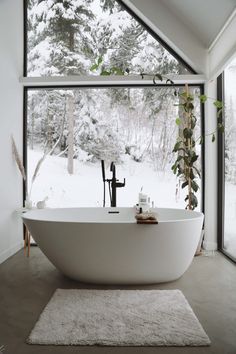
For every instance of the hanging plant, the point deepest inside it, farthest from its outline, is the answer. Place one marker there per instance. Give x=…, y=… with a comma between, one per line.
x=185, y=165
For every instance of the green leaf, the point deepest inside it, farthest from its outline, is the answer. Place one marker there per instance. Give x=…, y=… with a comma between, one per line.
x=185, y=184
x=105, y=73
x=178, y=121
x=221, y=127
x=201, y=140
x=117, y=71
x=159, y=76
x=194, y=186
x=203, y=98
x=179, y=158
x=193, y=122
x=193, y=159
x=180, y=172
x=197, y=170
x=219, y=112
x=189, y=106
x=187, y=133
x=174, y=168
x=177, y=146
x=93, y=67
x=194, y=201
x=218, y=104
x=192, y=176
x=213, y=138
x=100, y=60
x=190, y=97
x=186, y=198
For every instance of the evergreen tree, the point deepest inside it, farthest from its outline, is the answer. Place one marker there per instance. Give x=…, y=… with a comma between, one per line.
x=60, y=27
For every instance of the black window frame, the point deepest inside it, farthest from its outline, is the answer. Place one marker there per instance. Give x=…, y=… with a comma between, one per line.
x=221, y=173
x=44, y=87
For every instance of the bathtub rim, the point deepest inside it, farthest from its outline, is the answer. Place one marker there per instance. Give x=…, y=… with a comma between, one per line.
x=27, y=215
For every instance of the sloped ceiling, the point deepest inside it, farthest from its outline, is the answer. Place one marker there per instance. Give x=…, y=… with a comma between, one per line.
x=204, y=18
x=188, y=26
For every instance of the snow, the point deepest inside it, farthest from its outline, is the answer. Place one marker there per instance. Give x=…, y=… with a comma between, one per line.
x=98, y=32
x=85, y=186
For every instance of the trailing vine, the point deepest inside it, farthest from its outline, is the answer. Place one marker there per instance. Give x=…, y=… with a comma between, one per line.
x=185, y=165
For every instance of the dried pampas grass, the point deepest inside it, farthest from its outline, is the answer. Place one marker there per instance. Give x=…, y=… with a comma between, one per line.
x=18, y=159
x=20, y=165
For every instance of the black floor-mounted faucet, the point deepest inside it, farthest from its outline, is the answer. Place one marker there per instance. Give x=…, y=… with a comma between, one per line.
x=113, y=183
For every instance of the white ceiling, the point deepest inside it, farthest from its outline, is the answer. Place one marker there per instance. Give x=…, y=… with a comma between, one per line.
x=203, y=18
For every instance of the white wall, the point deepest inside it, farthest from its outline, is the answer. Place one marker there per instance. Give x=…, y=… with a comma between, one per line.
x=223, y=48
x=169, y=28
x=11, y=109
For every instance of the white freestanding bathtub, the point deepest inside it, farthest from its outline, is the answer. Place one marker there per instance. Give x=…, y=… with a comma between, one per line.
x=105, y=245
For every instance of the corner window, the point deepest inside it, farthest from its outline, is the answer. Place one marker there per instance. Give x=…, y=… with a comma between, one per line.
x=227, y=165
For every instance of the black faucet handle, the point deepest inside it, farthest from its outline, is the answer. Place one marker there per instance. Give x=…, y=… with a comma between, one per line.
x=120, y=184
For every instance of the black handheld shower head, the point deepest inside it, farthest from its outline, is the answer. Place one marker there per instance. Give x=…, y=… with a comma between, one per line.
x=103, y=171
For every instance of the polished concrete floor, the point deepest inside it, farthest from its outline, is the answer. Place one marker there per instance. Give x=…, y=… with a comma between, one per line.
x=26, y=286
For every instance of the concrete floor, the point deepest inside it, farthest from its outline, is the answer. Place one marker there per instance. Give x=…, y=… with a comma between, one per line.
x=26, y=285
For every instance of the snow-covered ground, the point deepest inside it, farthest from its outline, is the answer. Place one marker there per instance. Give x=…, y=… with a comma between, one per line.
x=85, y=186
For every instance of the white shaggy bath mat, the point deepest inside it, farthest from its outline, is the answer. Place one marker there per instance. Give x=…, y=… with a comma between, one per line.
x=118, y=318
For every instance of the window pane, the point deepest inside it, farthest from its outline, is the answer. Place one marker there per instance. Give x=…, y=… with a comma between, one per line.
x=87, y=37
x=230, y=159
x=77, y=128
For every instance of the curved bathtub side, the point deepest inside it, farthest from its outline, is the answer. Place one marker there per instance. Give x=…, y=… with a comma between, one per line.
x=119, y=253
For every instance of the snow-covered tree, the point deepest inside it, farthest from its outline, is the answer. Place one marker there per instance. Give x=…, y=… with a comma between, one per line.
x=56, y=36
x=90, y=37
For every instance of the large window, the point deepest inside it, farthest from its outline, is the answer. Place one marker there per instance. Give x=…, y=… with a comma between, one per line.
x=228, y=165
x=89, y=37
x=71, y=130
